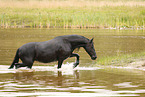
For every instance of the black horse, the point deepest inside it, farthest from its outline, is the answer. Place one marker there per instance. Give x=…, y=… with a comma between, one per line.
x=57, y=49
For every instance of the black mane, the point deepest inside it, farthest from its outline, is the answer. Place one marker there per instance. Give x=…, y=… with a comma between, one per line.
x=72, y=37
x=76, y=41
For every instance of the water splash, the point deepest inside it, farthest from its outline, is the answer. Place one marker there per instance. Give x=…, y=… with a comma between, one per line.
x=125, y=85
x=66, y=69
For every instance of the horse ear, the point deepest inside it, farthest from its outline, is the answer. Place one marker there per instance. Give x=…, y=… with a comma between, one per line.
x=91, y=40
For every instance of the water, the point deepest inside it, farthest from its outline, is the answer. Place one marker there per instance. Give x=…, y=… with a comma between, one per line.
x=107, y=42
x=83, y=81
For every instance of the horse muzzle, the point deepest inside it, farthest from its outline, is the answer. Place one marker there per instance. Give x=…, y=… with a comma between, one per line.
x=94, y=57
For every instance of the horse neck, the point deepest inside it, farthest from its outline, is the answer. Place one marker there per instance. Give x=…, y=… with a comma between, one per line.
x=76, y=43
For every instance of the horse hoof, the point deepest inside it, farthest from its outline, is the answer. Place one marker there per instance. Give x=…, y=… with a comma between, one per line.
x=17, y=66
x=10, y=68
x=75, y=64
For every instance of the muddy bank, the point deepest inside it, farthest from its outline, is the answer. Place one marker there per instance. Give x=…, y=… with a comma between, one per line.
x=138, y=65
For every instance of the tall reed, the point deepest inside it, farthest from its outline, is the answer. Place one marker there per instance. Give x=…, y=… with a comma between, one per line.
x=64, y=14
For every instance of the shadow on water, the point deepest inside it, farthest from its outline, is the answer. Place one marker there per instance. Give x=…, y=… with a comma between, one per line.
x=80, y=82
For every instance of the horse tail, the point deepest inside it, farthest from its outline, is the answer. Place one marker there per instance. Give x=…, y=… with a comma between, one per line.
x=16, y=60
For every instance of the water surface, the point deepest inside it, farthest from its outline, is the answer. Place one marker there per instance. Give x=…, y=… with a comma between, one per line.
x=83, y=81
x=107, y=42
x=87, y=80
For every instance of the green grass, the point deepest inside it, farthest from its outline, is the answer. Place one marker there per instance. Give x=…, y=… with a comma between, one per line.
x=73, y=17
x=121, y=60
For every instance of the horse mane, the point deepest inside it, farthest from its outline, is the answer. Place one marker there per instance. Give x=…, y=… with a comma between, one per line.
x=76, y=40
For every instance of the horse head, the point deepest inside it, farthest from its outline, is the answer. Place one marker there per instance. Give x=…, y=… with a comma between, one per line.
x=89, y=47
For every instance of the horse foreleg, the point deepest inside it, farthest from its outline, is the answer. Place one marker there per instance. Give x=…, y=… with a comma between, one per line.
x=77, y=59
x=59, y=63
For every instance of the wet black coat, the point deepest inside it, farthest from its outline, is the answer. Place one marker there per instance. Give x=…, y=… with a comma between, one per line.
x=57, y=49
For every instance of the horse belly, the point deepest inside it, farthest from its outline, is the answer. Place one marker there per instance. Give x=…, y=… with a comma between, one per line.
x=46, y=60
x=46, y=57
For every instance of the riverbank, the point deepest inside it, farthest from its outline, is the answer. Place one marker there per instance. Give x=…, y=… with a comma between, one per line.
x=72, y=14
x=133, y=61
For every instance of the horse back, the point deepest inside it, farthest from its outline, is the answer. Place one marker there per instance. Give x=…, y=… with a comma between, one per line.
x=54, y=45
x=51, y=50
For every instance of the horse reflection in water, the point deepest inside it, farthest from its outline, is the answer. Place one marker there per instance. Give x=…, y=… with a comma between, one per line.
x=57, y=49
x=50, y=79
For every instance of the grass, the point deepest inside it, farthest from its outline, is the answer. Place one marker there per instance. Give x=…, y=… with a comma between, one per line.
x=121, y=60
x=72, y=14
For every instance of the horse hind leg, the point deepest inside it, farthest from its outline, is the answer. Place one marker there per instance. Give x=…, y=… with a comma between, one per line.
x=30, y=65
x=26, y=62
x=16, y=60
x=18, y=65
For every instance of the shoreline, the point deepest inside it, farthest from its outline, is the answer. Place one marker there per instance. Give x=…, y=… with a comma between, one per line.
x=138, y=65
x=74, y=27
x=133, y=61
